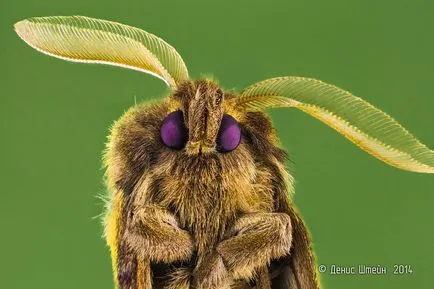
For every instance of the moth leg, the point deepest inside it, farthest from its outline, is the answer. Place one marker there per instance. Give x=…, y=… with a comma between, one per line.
x=153, y=234
x=263, y=278
x=179, y=279
x=126, y=268
x=257, y=238
x=210, y=273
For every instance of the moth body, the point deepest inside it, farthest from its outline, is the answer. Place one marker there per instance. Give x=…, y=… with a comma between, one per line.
x=204, y=189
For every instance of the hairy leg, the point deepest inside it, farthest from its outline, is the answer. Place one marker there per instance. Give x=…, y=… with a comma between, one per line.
x=263, y=278
x=210, y=273
x=257, y=238
x=153, y=234
x=179, y=279
x=126, y=269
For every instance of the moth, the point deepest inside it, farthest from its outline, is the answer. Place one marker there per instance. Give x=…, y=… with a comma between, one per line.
x=198, y=188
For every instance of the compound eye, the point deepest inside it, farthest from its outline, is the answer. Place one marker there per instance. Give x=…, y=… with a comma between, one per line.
x=229, y=135
x=173, y=131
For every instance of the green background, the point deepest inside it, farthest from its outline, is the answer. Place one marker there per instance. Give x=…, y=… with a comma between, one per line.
x=55, y=117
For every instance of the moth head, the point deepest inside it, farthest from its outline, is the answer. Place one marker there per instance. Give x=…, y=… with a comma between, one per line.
x=175, y=138
x=200, y=123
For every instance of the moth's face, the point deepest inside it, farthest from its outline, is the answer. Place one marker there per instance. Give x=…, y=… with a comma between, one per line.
x=201, y=139
x=200, y=123
x=196, y=133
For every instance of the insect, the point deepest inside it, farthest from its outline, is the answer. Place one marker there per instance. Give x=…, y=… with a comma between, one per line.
x=199, y=192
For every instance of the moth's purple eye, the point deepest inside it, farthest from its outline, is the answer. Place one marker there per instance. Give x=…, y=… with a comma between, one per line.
x=173, y=132
x=229, y=135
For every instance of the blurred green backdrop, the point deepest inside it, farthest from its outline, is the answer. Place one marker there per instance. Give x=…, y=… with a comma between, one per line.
x=55, y=117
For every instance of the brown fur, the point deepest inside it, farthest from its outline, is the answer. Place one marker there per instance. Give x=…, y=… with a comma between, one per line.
x=197, y=218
